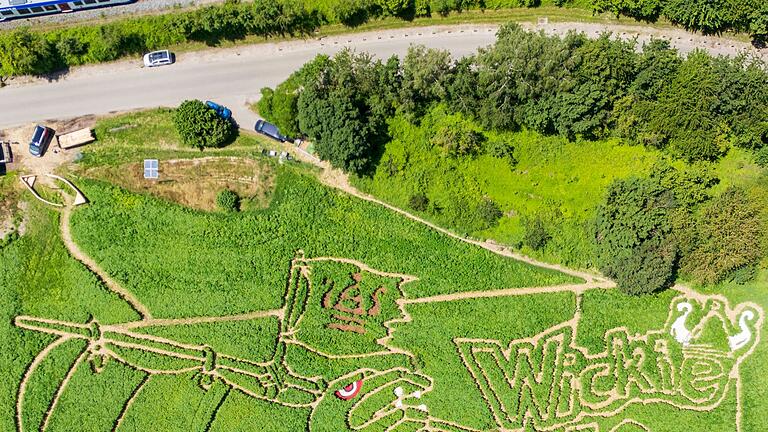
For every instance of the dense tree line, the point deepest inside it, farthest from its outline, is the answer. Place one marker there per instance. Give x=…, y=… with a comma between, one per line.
x=648, y=229
x=695, y=107
x=750, y=16
x=23, y=51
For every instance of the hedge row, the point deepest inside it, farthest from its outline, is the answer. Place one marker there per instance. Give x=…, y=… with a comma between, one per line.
x=31, y=52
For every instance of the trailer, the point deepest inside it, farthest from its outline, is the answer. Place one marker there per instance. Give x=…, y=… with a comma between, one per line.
x=76, y=138
x=6, y=156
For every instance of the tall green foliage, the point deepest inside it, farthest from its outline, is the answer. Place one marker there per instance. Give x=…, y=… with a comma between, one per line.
x=633, y=235
x=728, y=235
x=23, y=52
x=713, y=16
x=199, y=126
x=343, y=107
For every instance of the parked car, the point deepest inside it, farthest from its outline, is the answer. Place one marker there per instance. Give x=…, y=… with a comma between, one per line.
x=270, y=130
x=40, y=140
x=222, y=111
x=159, y=58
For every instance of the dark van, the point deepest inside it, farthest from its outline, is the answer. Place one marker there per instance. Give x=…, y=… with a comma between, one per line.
x=40, y=140
x=270, y=130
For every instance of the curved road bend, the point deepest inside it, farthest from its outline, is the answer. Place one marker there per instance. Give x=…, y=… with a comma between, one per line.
x=234, y=76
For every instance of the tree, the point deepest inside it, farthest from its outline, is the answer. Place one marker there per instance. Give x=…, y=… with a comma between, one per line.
x=394, y=7
x=605, y=70
x=228, y=200
x=633, y=235
x=280, y=106
x=23, y=52
x=335, y=122
x=463, y=93
x=426, y=76
x=686, y=112
x=712, y=16
x=520, y=76
x=728, y=236
x=343, y=107
x=352, y=13
x=199, y=126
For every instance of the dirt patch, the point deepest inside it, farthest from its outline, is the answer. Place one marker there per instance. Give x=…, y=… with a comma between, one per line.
x=12, y=208
x=53, y=157
x=195, y=182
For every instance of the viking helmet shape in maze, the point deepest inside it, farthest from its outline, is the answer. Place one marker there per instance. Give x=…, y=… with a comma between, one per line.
x=339, y=306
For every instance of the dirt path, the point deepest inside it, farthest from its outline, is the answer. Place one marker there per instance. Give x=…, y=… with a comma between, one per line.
x=74, y=250
x=337, y=179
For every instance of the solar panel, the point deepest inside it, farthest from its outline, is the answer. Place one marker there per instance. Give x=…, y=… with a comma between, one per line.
x=151, y=167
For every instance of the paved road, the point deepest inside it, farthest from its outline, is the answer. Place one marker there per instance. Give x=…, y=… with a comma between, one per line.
x=234, y=76
x=230, y=76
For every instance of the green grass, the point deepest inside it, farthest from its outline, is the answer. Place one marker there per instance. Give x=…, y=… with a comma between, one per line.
x=560, y=181
x=126, y=138
x=185, y=263
x=38, y=277
x=238, y=263
x=434, y=327
x=253, y=340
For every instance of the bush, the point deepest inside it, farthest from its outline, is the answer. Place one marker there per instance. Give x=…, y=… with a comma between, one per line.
x=199, y=126
x=228, y=200
x=536, y=235
x=489, y=212
x=633, y=235
x=761, y=157
x=419, y=202
x=501, y=149
x=727, y=236
x=23, y=52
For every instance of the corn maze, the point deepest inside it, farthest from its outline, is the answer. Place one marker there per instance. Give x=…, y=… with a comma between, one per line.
x=379, y=342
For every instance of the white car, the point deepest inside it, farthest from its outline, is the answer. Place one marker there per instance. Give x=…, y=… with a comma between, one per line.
x=158, y=58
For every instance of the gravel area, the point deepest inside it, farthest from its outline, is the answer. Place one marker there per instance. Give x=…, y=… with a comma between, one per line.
x=141, y=6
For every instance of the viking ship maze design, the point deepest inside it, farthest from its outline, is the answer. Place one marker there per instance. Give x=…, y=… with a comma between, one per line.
x=345, y=313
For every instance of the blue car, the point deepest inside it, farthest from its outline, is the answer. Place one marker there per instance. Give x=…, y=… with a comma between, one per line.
x=40, y=140
x=222, y=111
x=270, y=130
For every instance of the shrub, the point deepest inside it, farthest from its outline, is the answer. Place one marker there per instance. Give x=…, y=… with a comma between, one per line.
x=353, y=13
x=228, y=200
x=501, y=149
x=728, y=236
x=23, y=52
x=200, y=127
x=761, y=157
x=419, y=202
x=536, y=235
x=489, y=212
